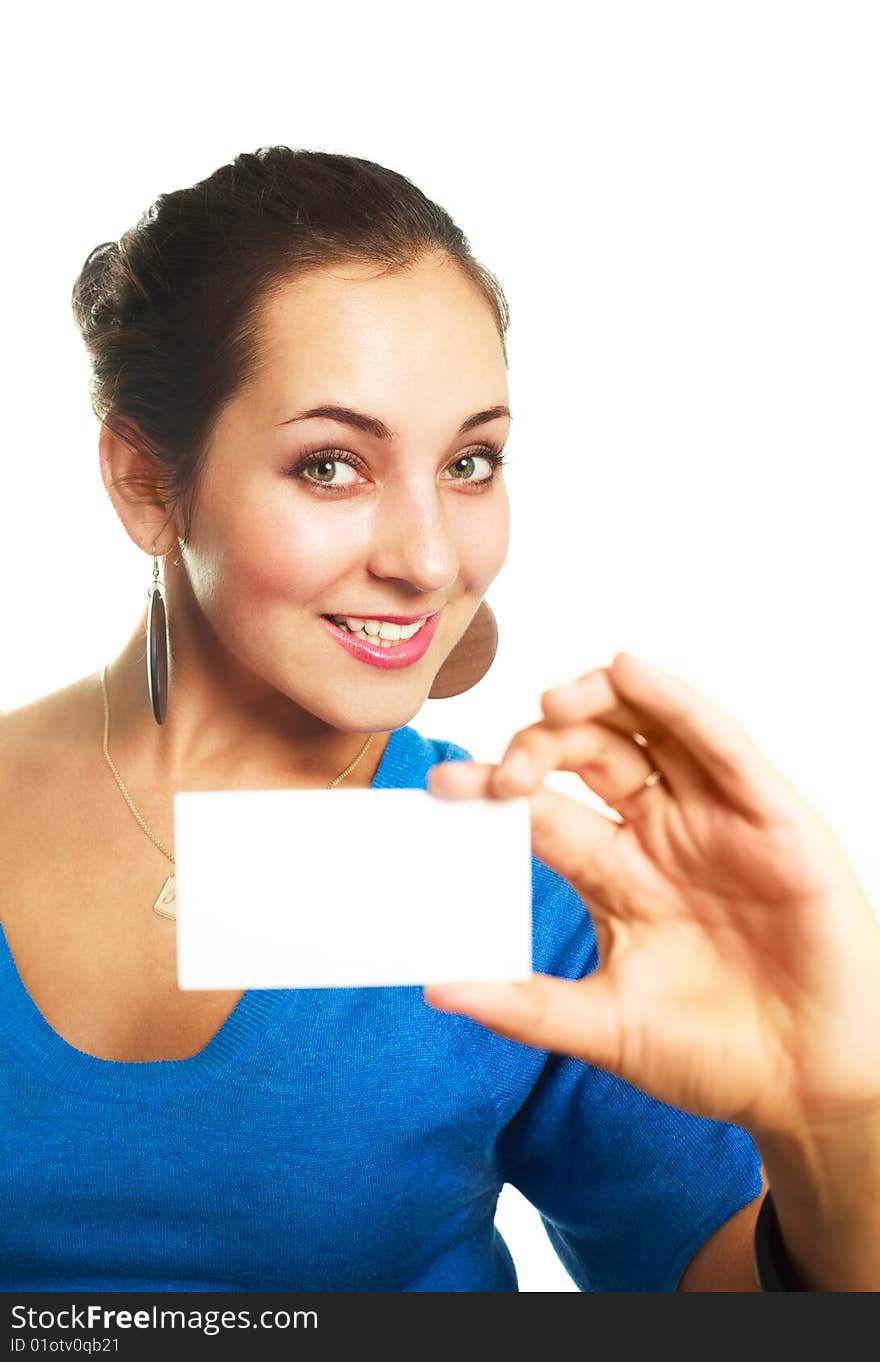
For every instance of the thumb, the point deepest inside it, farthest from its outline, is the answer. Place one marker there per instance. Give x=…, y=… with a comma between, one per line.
x=577, y=1017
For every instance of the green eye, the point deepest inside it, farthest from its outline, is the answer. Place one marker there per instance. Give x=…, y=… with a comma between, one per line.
x=326, y=468
x=325, y=465
x=490, y=455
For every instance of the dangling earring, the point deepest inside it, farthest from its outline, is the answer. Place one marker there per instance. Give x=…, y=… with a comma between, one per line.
x=157, y=646
x=471, y=657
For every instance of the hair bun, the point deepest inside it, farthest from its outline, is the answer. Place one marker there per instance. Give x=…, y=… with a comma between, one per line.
x=93, y=294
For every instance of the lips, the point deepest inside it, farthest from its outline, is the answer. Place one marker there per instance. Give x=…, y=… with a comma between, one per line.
x=390, y=619
x=400, y=655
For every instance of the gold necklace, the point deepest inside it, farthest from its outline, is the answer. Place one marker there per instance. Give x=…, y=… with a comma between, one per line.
x=166, y=894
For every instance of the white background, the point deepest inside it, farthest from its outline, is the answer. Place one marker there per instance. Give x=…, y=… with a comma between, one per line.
x=681, y=203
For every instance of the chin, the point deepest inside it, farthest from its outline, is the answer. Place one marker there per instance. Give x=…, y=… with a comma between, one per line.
x=360, y=712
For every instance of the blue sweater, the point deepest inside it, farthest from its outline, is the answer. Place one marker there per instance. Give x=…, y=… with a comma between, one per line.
x=349, y=1139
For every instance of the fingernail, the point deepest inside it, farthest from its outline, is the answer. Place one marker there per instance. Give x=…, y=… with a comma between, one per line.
x=519, y=767
x=446, y=997
x=454, y=997
x=646, y=666
x=446, y=767
x=567, y=691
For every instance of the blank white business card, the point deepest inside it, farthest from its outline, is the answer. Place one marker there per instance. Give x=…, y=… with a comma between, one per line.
x=346, y=888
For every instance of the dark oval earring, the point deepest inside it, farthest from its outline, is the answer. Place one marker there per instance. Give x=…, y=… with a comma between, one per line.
x=471, y=657
x=157, y=647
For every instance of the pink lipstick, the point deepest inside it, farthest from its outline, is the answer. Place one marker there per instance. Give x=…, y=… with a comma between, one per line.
x=398, y=655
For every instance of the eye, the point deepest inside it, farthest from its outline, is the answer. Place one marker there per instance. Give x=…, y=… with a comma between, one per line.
x=325, y=467
x=327, y=462
x=491, y=457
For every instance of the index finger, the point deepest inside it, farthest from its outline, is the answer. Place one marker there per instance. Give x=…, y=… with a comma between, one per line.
x=634, y=696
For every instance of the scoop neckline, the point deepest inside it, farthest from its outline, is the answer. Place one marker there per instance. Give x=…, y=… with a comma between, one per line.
x=28, y=1036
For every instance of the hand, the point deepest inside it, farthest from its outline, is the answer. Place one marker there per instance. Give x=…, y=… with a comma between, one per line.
x=739, y=956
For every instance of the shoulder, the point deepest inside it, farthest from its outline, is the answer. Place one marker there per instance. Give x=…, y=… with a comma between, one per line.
x=436, y=750
x=41, y=736
x=47, y=763
x=410, y=756
x=44, y=719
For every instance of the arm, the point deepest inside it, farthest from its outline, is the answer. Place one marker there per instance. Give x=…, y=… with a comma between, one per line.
x=826, y=1187
x=827, y=1195
x=725, y=1262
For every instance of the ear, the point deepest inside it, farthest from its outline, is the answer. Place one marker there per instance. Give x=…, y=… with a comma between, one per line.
x=129, y=473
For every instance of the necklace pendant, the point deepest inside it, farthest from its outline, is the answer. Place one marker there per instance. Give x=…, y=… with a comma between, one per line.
x=165, y=897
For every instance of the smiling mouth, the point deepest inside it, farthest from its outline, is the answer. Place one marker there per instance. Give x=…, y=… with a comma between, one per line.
x=381, y=633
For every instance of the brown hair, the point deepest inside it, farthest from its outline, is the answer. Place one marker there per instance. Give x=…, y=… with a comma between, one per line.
x=169, y=314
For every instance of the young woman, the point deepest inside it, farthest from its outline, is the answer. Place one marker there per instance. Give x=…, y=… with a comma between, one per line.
x=300, y=373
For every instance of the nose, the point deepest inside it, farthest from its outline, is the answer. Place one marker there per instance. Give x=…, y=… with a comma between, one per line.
x=415, y=540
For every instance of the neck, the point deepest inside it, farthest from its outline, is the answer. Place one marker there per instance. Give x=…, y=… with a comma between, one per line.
x=223, y=729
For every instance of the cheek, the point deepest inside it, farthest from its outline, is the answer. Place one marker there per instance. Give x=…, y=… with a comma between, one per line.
x=263, y=554
x=484, y=547
x=268, y=558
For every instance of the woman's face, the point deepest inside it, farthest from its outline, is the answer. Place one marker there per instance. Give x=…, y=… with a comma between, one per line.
x=301, y=518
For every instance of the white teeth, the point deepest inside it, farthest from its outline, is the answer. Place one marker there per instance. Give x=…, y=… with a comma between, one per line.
x=381, y=632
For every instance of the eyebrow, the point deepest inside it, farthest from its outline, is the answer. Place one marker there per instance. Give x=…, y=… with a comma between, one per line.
x=371, y=425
